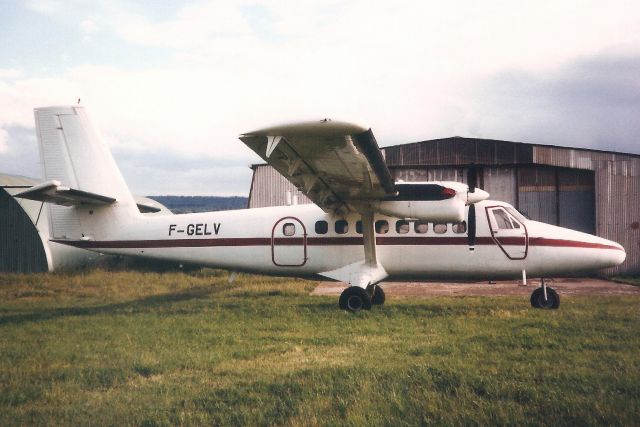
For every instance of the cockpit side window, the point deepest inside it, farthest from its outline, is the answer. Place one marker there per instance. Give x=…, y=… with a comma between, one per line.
x=502, y=219
x=517, y=215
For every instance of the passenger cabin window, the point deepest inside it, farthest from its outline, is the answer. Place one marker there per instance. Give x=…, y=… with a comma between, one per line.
x=502, y=219
x=439, y=228
x=402, y=227
x=421, y=227
x=342, y=226
x=322, y=227
x=382, y=227
x=359, y=227
x=289, y=229
x=459, y=227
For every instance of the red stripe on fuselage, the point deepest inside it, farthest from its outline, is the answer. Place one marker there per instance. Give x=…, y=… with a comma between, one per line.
x=324, y=241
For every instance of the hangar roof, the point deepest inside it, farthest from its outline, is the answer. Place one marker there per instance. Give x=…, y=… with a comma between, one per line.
x=464, y=151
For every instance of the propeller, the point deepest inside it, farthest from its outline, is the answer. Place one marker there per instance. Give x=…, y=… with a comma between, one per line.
x=471, y=227
x=472, y=178
x=472, y=182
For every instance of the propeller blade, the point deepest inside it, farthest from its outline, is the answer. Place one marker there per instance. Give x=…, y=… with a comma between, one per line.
x=472, y=178
x=471, y=227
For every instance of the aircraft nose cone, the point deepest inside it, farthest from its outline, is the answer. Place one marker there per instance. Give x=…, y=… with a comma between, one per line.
x=620, y=255
x=615, y=252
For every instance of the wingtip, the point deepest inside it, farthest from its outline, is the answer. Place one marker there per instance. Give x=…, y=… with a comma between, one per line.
x=325, y=126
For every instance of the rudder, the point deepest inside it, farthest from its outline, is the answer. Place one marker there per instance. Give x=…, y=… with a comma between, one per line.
x=71, y=152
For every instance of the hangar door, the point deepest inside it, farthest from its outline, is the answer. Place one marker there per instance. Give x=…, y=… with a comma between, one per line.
x=21, y=249
x=558, y=196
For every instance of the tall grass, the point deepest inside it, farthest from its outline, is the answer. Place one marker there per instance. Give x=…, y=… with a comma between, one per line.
x=106, y=348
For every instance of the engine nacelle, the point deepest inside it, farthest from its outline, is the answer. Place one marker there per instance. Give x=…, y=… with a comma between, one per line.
x=449, y=210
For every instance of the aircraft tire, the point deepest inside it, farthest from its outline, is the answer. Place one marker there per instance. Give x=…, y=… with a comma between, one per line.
x=354, y=298
x=378, y=296
x=552, y=302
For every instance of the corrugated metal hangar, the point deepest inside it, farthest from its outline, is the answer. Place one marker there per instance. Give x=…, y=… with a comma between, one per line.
x=24, y=232
x=594, y=191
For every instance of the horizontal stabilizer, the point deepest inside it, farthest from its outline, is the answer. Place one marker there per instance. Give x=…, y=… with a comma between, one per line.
x=54, y=192
x=147, y=208
x=359, y=273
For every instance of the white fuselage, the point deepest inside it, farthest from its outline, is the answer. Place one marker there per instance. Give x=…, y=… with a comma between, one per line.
x=286, y=241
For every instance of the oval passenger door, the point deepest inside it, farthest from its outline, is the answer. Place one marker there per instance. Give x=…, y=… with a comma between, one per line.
x=508, y=233
x=289, y=243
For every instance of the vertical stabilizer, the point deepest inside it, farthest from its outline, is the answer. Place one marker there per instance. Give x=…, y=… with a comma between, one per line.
x=72, y=153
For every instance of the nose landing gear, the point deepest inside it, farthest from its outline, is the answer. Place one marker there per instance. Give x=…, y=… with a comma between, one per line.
x=545, y=297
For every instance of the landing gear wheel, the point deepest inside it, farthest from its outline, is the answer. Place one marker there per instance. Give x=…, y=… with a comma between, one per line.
x=538, y=301
x=378, y=296
x=354, y=299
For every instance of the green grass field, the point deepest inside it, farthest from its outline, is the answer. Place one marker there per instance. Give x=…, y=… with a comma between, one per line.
x=120, y=348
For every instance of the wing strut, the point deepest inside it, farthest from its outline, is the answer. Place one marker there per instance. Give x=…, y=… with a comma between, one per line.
x=369, y=239
x=362, y=273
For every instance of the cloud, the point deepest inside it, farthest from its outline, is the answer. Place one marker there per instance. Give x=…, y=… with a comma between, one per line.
x=89, y=26
x=19, y=152
x=412, y=70
x=194, y=25
x=4, y=145
x=10, y=73
x=593, y=102
x=171, y=172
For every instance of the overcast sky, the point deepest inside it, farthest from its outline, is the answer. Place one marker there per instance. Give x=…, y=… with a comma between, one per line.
x=171, y=85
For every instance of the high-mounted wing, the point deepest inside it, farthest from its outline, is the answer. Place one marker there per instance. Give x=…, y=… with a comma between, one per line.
x=333, y=163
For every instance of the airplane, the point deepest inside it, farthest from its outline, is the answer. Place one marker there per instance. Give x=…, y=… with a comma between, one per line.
x=362, y=228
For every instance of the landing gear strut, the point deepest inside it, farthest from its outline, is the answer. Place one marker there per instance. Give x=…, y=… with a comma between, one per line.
x=354, y=298
x=545, y=297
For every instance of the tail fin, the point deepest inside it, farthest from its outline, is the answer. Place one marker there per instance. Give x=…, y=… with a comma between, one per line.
x=73, y=154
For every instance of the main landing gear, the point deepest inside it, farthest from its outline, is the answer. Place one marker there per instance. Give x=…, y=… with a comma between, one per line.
x=355, y=298
x=545, y=297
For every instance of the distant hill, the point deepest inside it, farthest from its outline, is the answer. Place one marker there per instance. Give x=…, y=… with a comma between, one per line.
x=188, y=204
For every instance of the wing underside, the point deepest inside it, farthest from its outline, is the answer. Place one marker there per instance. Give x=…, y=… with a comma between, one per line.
x=336, y=164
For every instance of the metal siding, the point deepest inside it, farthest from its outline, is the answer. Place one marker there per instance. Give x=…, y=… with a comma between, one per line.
x=576, y=200
x=21, y=248
x=458, y=151
x=500, y=183
x=576, y=209
x=537, y=197
x=269, y=188
x=539, y=205
x=618, y=208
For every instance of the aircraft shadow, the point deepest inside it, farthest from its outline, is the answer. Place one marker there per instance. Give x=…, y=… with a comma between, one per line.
x=133, y=306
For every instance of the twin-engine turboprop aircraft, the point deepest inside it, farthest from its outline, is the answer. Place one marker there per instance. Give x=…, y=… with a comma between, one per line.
x=363, y=228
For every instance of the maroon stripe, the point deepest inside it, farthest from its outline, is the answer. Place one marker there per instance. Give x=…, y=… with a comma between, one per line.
x=173, y=243
x=324, y=241
x=560, y=243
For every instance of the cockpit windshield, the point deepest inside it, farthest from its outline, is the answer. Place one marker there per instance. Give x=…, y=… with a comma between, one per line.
x=520, y=217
